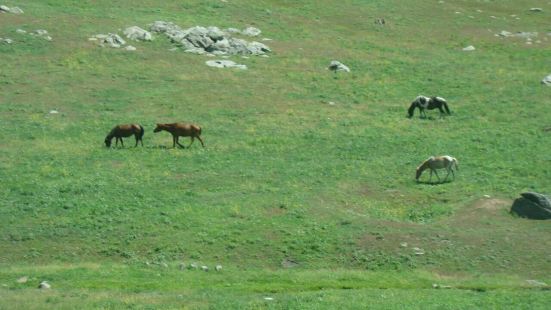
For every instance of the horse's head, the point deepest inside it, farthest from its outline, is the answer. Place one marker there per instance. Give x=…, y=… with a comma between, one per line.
x=107, y=142
x=158, y=128
x=418, y=172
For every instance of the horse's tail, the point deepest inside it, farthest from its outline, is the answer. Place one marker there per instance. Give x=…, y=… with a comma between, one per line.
x=445, y=104
x=412, y=109
x=141, y=133
x=456, y=162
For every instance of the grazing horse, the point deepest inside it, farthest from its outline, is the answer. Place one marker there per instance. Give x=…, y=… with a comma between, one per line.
x=438, y=162
x=121, y=131
x=181, y=130
x=423, y=103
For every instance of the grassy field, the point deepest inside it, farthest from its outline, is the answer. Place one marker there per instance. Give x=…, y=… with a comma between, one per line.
x=312, y=204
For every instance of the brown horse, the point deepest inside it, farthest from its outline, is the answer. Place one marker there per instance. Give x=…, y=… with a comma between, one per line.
x=438, y=162
x=181, y=130
x=121, y=131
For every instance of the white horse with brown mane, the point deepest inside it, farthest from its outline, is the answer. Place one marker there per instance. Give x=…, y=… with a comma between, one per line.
x=437, y=162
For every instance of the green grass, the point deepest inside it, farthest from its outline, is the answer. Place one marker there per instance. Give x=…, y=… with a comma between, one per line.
x=284, y=176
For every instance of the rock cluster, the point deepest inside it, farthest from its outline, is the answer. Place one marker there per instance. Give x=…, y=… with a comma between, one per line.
x=210, y=40
x=137, y=34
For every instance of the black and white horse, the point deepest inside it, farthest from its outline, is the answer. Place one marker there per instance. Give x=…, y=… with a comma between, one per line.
x=423, y=103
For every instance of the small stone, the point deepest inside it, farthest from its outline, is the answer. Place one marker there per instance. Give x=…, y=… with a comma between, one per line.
x=336, y=66
x=7, y=41
x=251, y=31
x=204, y=268
x=16, y=10
x=404, y=244
x=268, y=298
x=486, y=196
x=193, y=266
x=4, y=9
x=44, y=285
x=23, y=279
x=418, y=251
x=331, y=103
x=531, y=10
x=53, y=112
x=225, y=64
x=130, y=48
x=21, y=31
x=469, y=48
x=546, y=80
x=536, y=283
x=434, y=285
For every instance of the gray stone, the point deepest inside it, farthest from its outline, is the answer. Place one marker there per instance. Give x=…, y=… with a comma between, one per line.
x=7, y=41
x=204, y=268
x=162, y=27
x=469, y=48
x=251, y=31
x=44, y=285
x=111, y=39
x=193, y=266
x=225, y=64
x=218, y=268
x=536, y=283
x=533, y=206
x=336, y=66
x=41, y=32
x=137, y=34
x=21, y=31
x=546, y=80
x=531, y=10
x=130, y=48
x=4, y=9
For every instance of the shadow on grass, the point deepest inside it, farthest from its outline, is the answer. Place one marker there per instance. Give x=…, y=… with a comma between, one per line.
x=434, y=183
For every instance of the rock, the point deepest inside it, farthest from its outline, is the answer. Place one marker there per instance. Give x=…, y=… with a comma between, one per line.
x=469, y=48
x=505, y=34
x=193, y=266
x=7, y=41
x=404, y=244
x=547, y=80
x=209, y=40
x=130, y=48
x=336, y=66
x=268, y=298
x=418, y=251
x=251, y=31
x=137, y=34
x=380, y=21
x=218, y=268
x=486, y=196
x=21, y=31
x=533, y=206
x=288, y=263
x=41, y=32
x=531, y=9
x=23, y=279
x=225, y=64
x=44, y=285
x=16, y=10
x=53, y=112
x=4, y=9
x=204, y=268
x=111, y=39
x=536, y=283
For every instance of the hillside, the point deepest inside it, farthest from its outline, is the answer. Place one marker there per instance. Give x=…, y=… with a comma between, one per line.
x=305, y=190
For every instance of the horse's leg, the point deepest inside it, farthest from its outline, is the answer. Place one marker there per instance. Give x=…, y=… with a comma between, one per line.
x=136, y=136
x=430, y=179
x=436, y=172
x=122, y=143
x=179, y=143
x=201, y=140
x=173, y=141
x=192, y=139
x=441, y=111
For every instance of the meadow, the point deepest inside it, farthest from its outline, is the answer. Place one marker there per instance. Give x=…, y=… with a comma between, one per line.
x=309, y=203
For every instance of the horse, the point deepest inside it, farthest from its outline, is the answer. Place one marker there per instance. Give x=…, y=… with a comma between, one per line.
x=423, y=103
x=181, y=130
x=121, y=131
x=438, y=162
